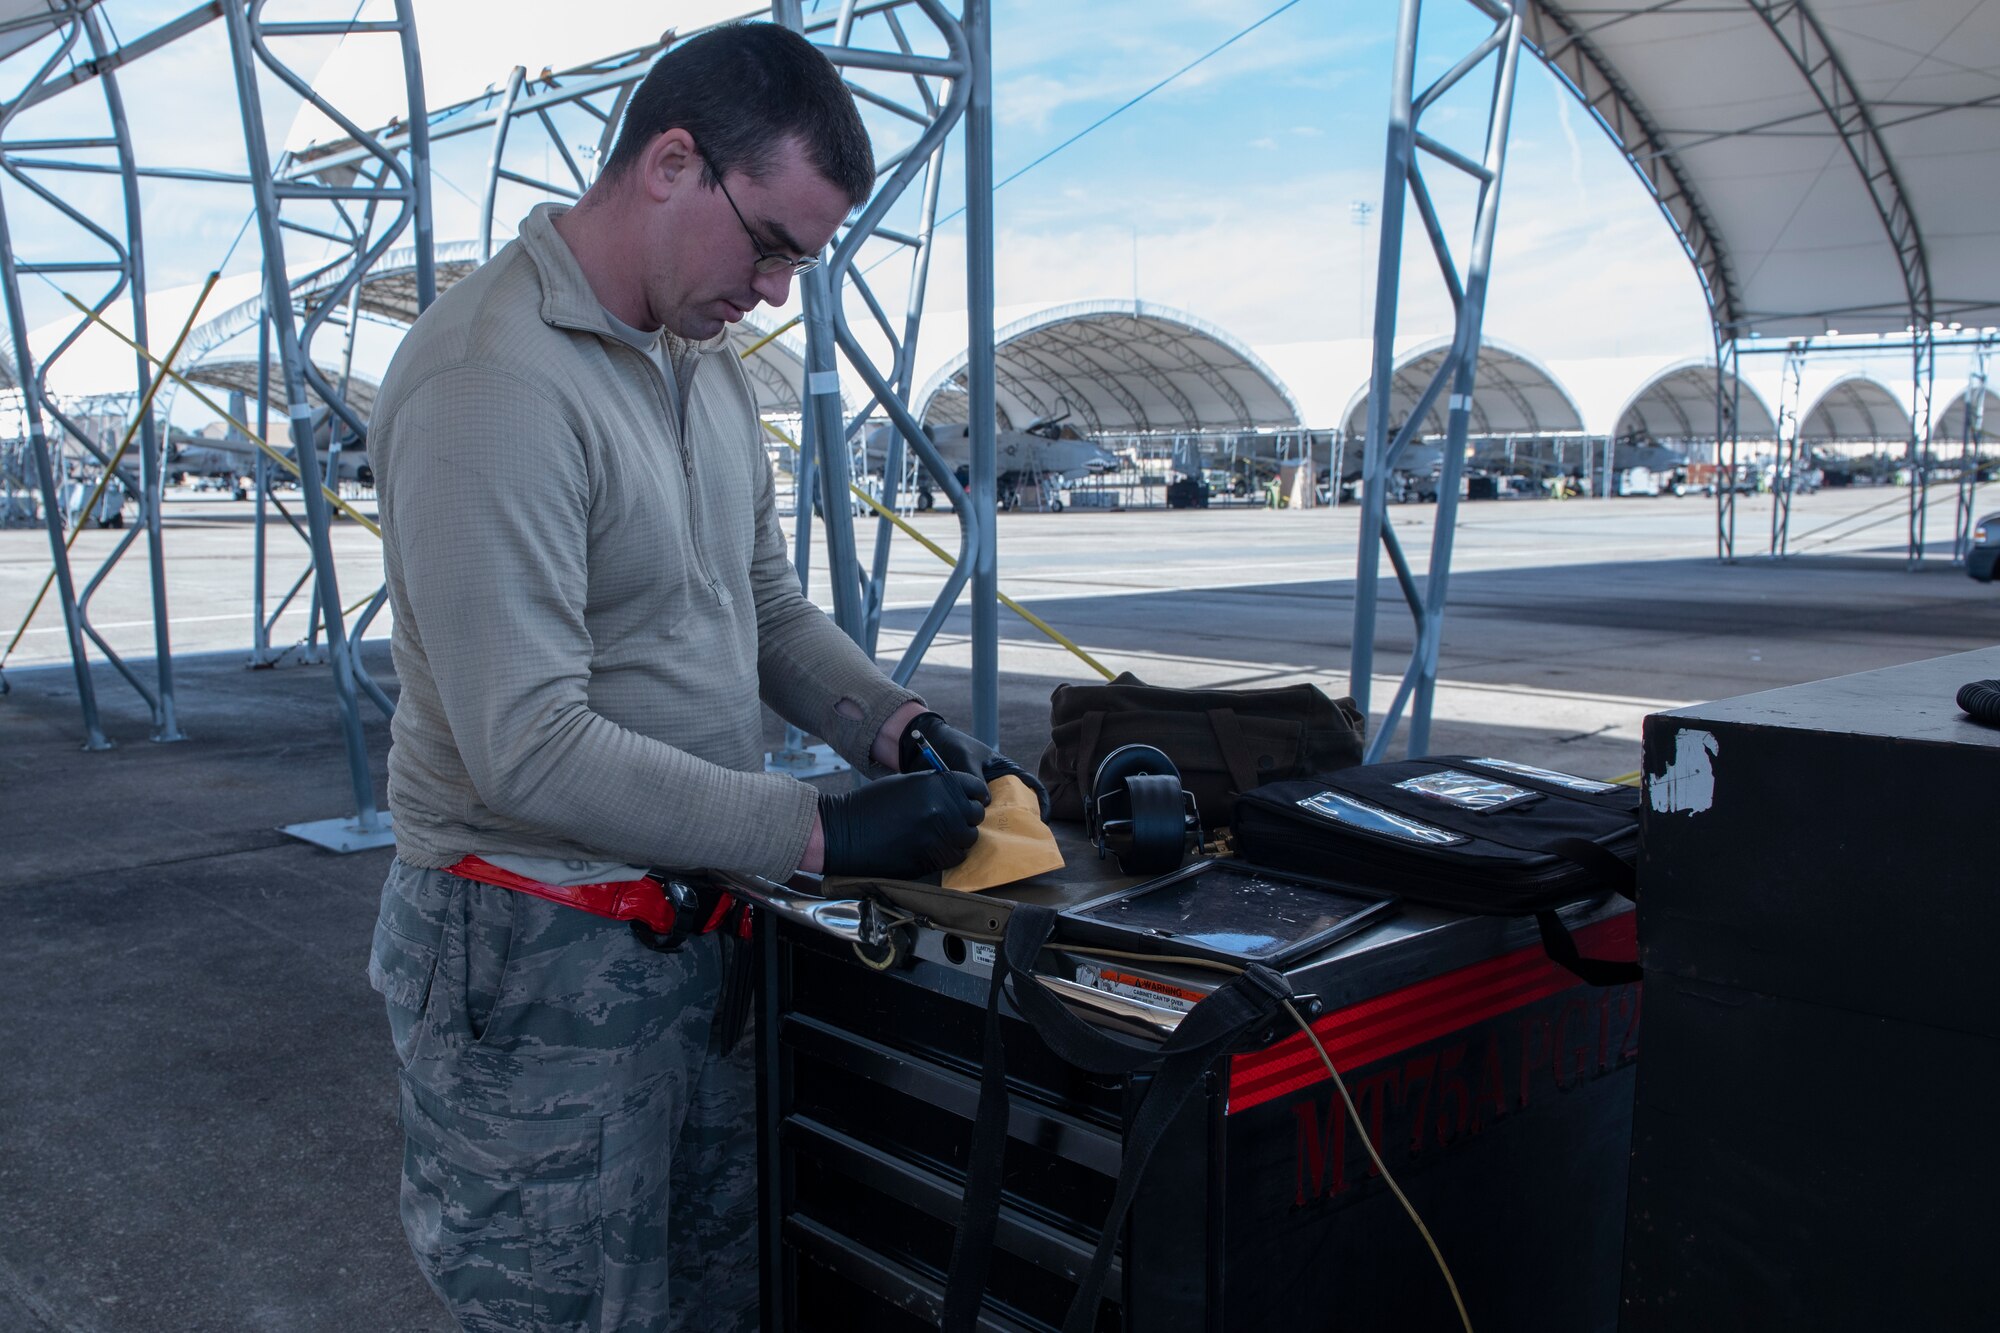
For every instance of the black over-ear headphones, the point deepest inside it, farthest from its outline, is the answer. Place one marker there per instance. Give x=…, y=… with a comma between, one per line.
x=1139, y=812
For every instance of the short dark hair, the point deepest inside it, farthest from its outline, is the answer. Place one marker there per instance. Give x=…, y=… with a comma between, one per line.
x=741, y=90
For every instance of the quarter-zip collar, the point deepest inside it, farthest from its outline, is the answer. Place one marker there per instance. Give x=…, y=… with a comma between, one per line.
x=567, y=300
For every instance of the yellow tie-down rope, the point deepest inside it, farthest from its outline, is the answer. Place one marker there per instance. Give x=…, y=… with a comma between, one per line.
x=215, y=407
x=927, y=543
x=946, y=556
x=111, y=469
x=292, y=468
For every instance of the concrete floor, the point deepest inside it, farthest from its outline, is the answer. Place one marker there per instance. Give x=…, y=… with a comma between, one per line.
x=196, y=1121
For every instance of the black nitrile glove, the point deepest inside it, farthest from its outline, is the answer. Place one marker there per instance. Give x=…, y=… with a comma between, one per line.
x=904, y=826
x=961, y=754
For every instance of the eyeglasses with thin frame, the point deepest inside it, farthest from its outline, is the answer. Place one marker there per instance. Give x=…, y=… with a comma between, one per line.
x=767, y=262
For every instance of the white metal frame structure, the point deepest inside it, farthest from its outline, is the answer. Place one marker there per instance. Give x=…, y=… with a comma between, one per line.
x=47, y=36
x=337, y=202
x=880, y=49
x=1403, y=182
x=936, y=94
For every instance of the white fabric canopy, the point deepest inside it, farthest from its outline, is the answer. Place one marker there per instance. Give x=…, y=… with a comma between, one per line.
x=240, y=373
x=1679, y=404
x=1120, y=366
x=1949, y=426
x=26, y=13
x=777, y=369
x=1829, y=164
x=1856, y=409
x=1514, y=394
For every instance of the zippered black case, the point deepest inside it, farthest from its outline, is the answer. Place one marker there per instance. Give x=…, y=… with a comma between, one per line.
x=1457, y=831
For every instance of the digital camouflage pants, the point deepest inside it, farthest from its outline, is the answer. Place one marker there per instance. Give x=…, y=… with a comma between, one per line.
x=578, y=1158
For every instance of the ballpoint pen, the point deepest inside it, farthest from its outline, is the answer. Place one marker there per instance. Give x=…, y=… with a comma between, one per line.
x=924, y=748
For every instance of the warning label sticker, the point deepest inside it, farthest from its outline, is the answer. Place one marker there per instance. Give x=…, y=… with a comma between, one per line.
x=1148, y=990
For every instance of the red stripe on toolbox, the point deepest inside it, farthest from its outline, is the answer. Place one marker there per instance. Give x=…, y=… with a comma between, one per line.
x=1373, y=1029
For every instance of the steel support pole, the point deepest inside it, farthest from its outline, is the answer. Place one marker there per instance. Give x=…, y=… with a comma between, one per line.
x=981, y=403
x=825, y=425
x=1381, y=383
x=423, y=223
x=825, y=440
x=1923, y=376
x=260, y=640
x=45, y=478
x=1785, y=471
x=369, y=823
x=38, y=441
x=501, y=125
x=1471, y=321
x=1972, y=430
x=1728, y=387
x=822, y=432
x=895, y=457
x=1457, y=374
x=152, y=481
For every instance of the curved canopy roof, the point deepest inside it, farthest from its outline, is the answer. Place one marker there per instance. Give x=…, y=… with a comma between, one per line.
x=1679, y=404
x=25, y=22
x=1948, y=427
x=777, y=369
x=389, y=291
x=1828, y=164
x=1856, y=409
x=1120, y=366
x=390, y=288
x=240, y=374
x=1514, y=394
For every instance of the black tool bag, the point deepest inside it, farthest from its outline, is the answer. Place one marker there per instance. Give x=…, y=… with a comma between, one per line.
x=1471, y=834
x=1222, y=741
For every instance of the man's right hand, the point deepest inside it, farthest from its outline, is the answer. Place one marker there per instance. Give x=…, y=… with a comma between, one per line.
x=904, y=826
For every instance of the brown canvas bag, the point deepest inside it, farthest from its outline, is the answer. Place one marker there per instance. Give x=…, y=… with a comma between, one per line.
x=1223, y=741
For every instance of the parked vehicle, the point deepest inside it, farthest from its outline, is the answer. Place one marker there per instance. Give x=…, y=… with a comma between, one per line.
x=1984, y=554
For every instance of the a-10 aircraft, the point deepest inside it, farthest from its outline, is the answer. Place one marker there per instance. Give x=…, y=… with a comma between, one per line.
x=233, y=460
x=1047, y=451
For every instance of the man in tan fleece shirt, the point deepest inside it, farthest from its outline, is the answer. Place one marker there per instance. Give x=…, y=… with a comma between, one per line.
x=591, y=598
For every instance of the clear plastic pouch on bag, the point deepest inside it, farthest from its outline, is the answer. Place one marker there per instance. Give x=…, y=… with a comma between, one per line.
x=1339, y=809
x=1468, y=791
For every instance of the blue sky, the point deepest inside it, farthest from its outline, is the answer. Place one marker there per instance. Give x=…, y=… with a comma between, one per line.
x=1239, y=179
x=1232, y=188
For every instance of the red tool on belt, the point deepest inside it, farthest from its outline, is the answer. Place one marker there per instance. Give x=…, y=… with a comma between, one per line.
x=664, y=907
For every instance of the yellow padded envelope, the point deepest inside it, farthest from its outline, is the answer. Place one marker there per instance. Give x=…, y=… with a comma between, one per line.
x=1013, y=843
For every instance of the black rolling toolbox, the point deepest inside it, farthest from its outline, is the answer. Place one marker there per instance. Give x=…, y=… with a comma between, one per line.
x=1497, y=1086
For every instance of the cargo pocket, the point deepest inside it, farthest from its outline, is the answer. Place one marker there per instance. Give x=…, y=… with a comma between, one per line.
x=504, y=1214
x=402, y=970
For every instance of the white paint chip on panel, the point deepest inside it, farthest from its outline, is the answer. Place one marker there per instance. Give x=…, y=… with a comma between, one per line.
x=1688, y=785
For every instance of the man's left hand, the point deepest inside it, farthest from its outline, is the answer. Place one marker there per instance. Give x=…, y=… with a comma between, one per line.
x=962, y=754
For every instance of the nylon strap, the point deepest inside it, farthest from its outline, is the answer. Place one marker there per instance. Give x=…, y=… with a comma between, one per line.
x=1557, y=942
x=1207, y=1032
